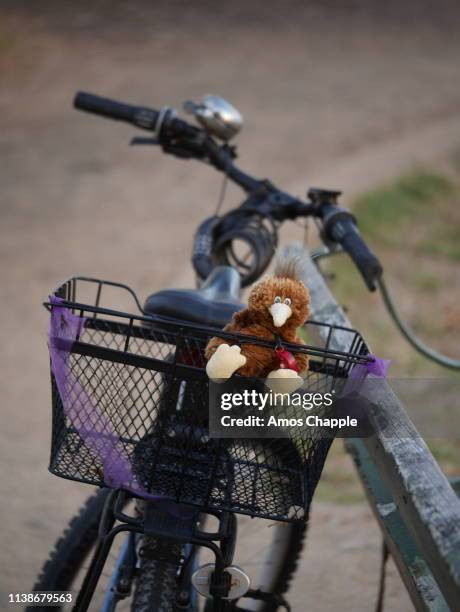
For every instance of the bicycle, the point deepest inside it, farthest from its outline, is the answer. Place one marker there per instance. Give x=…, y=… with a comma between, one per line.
x=143, y=374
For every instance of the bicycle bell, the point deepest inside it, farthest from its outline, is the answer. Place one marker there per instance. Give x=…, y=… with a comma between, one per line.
x=217, y=116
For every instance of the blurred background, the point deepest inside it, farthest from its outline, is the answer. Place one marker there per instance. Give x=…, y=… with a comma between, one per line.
x=356, y=95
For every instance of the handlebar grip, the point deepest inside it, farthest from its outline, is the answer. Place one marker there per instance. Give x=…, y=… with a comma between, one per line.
x=145, y=118
x=346, y=233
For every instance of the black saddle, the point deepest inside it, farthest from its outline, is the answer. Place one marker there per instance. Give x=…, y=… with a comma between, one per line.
x=212, y=304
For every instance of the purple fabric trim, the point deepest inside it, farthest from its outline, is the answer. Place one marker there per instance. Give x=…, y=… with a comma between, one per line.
x=96, y=431
x=92, y=426
x=377, y=367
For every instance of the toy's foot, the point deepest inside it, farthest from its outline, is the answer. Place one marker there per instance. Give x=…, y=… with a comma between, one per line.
x=283, y=381
x=225, y=361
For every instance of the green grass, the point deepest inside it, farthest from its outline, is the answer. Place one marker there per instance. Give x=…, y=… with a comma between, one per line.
x=426, y=281
x=447, y=453
x=455, y=158
x=384, y=211
x=413, y=224
x=6, y=42
x=443, y=243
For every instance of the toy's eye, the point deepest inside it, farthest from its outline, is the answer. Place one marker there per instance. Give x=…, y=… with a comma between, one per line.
x=288, y=301
x=277, y=300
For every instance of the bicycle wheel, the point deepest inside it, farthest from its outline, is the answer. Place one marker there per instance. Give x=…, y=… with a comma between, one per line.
x=66, y=566
x=68, y=561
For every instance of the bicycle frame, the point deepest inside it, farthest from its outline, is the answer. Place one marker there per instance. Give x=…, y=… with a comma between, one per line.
x=126, y=561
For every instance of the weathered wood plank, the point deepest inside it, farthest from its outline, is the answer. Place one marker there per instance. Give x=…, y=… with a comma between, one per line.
x=418, y=579
x=426, y=501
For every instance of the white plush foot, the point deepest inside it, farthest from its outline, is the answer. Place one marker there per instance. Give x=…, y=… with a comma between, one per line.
x=225, y=361
x=283, y=381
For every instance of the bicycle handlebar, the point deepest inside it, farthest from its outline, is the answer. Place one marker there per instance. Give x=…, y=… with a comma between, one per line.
x=142, y=117
x=182, y=139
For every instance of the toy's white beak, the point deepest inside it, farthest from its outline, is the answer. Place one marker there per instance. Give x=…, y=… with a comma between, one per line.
x=280, y=313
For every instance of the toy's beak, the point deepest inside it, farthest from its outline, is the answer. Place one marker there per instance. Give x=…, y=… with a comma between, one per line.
x=280, y=313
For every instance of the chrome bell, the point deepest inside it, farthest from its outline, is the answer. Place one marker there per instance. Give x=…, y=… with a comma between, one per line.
x=217, y=116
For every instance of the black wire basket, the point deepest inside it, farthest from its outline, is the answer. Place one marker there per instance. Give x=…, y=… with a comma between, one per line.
x=130, y=400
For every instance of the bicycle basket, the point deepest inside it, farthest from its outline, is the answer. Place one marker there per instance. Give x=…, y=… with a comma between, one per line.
x=130, y=403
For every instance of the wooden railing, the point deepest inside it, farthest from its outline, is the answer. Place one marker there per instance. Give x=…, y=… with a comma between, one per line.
x=415, y=505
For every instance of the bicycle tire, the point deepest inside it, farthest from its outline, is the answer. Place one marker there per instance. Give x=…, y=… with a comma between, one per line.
x=289, y=559
x=156, y=584
x=71, y=549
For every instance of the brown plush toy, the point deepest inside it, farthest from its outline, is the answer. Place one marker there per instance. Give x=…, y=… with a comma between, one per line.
x=277, y=306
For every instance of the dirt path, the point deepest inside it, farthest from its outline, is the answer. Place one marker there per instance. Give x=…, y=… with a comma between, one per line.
x=324, y=91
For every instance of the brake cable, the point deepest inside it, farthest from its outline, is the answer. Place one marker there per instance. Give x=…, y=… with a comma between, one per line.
x=414, y=341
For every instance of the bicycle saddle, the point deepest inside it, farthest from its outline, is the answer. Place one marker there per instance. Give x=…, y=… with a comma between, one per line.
x=212, y=304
